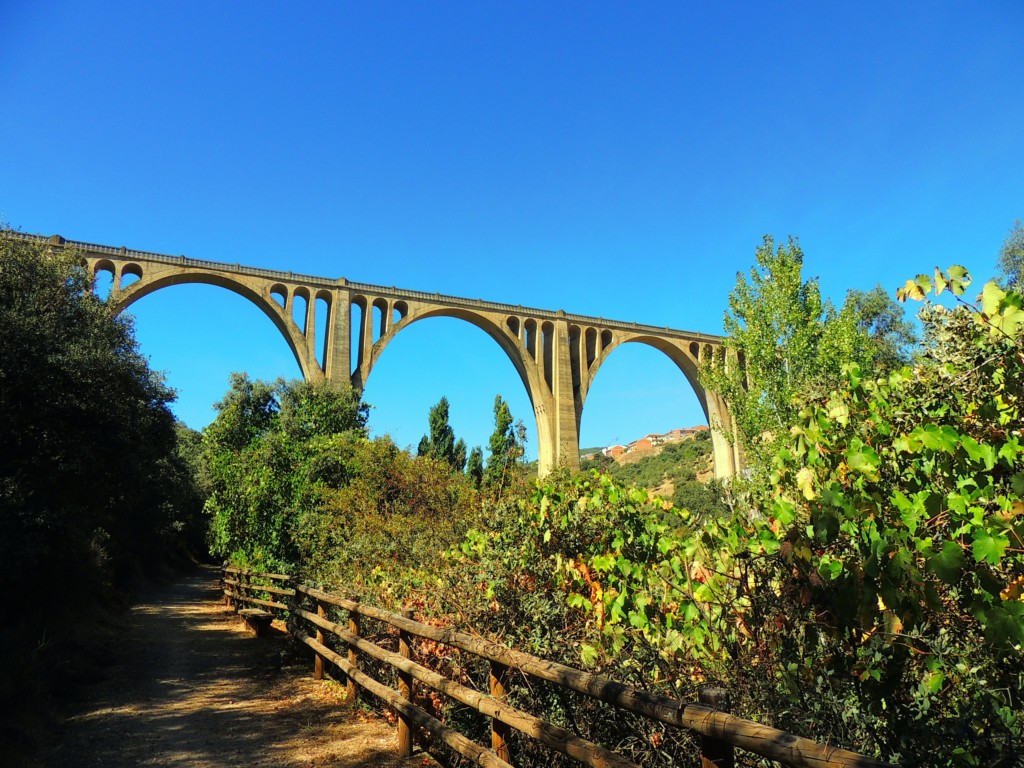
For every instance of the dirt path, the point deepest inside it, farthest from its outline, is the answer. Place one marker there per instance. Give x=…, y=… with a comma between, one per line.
x=194, y=688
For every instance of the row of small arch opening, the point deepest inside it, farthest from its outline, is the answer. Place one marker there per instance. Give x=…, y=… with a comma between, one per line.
x=537, y=337
x=128, y=274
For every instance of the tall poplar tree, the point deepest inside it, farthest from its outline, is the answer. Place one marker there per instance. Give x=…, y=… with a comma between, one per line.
x=783, y=339
x=441, y=444
x=506, y=449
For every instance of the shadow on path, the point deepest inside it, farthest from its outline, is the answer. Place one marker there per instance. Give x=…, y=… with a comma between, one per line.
x=193, y=687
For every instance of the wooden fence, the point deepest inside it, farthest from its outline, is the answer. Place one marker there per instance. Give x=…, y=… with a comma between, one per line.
x=306, y=608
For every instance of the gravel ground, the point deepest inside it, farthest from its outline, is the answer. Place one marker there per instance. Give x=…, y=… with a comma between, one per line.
x=192, y=687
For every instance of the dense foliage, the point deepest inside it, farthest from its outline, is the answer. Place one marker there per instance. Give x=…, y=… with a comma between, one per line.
x=897, y=510
x=864, y=587
x=93, y=489
x=379, y=532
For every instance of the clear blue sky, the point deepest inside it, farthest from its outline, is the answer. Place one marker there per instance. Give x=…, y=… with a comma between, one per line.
x=620, y=160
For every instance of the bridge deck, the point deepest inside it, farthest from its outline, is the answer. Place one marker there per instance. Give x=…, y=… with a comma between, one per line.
x=313, y=281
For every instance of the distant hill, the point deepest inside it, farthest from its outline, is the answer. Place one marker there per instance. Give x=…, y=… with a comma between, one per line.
x=682, y=472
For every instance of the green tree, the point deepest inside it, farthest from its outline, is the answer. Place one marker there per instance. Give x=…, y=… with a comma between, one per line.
x=890, y=336
x=246, y=412
x=269, y=455
x=783, y=339
x=90, y=441
x=504, y=464
x=475, y=467
x=1011, y=259
x=92, y=489
x=441, y=444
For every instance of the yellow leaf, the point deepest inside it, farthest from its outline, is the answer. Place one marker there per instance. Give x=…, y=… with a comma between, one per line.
x=1014, y=591
x=910, y=290
x=805, y=482
x=893, y=624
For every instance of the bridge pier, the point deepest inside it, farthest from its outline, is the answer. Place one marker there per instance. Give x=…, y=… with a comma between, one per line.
x=339, y=339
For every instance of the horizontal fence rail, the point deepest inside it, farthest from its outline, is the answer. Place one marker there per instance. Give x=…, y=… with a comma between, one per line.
x=720, y=732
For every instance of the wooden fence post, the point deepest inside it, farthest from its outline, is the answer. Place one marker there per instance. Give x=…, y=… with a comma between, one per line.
x=405, y=689
x=223, y=586
x=499, y=730
x=715, y=753
x=353, y=627
x=243, y=587
x=318, y=663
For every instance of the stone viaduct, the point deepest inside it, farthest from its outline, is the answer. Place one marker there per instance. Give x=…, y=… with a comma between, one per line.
x=556, y=354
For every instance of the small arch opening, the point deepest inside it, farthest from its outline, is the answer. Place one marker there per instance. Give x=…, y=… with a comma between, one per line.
x=130, y=274
x=300, y=308
x=279, y=294
x=398, y=312
x=695, y=350
x=575, y=355
x=357, y=317
x=513, y=326
x=530, y=327
x=380, y=318
x=591, y=344
x=547, y=331
x=103, y=279
x=606, y=339
x=322, y=319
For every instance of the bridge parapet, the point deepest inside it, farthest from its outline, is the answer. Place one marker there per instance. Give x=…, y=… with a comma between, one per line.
x=124, y=253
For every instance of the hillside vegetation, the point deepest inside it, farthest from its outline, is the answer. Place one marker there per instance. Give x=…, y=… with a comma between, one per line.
x=679, y=472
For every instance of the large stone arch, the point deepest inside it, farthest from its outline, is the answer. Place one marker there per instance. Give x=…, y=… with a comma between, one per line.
x=496, y=327
x=686, y=355
x=680, y=356
x=261, y=296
